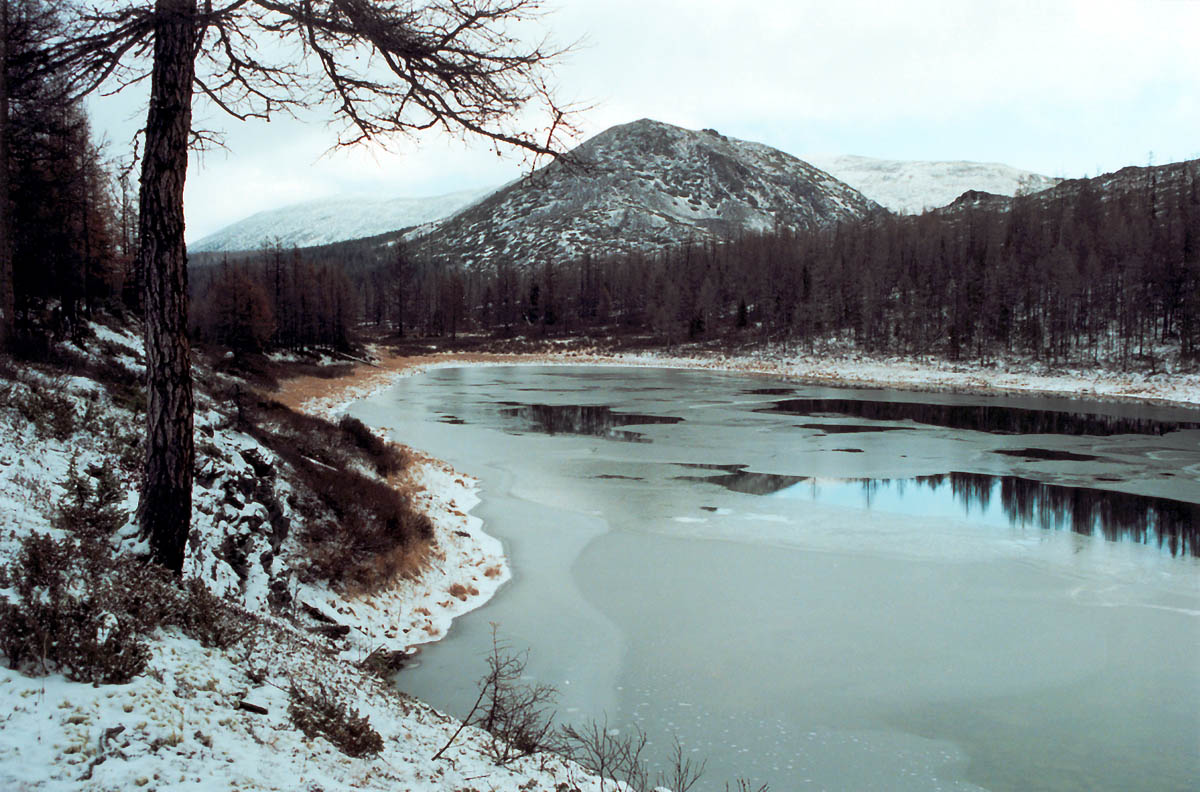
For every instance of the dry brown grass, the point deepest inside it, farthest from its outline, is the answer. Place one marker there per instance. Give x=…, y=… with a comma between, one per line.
x=461, y=592
x=361, y=532
x=402, y=563
x=296, y=392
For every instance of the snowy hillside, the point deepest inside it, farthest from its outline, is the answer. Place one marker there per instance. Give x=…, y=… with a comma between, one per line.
x=641, y=187
x=912, y=187
x=333, y=220
x=253, y=674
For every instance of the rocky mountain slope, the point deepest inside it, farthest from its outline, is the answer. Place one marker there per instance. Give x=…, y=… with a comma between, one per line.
x=912, y=187
x=330, y=220
x=641, y=187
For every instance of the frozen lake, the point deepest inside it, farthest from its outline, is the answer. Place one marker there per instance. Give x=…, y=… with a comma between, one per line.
x=833, y=588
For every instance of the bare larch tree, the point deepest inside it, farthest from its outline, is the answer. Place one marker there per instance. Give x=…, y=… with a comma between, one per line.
x=382, y=66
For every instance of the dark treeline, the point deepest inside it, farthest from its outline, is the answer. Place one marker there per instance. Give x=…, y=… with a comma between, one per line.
x=277, y=300
x=1101, y=270
x=67, y=222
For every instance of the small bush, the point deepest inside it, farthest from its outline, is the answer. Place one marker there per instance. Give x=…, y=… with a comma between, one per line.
x=518, y=715
x=51, y=414
x=318, y=714
x=212, y=621
x=81, y=611
x=66, y=618
x=373, y=533
x=385, y=663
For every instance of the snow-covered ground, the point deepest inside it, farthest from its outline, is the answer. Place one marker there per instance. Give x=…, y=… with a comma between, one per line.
x=182, y=724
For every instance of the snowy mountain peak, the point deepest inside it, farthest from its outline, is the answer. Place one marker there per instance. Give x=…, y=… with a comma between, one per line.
x=911, y=187
x=640, y=187
x=335, y=219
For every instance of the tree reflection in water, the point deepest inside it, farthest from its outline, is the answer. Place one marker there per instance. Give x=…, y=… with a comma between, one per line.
x=1116, y=516
x=1172, y=525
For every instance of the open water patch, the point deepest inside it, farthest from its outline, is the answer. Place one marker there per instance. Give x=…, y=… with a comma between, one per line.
x=1046, y=455
x=579, y=419
x=831, y=428
x=737, y=479
x=980, y=418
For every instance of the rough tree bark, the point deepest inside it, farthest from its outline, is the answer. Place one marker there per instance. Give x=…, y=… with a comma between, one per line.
x=165, y=509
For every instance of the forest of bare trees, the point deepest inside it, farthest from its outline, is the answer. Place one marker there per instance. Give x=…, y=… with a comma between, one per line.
x=1096, y=271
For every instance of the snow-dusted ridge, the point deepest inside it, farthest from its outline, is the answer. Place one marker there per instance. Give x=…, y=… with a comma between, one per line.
x=328, y=220
x=641, y=187
x=911, y=187
x=636, y=187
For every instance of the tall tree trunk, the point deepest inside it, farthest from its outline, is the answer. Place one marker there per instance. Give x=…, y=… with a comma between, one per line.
x=7, y=296
x=165, y=511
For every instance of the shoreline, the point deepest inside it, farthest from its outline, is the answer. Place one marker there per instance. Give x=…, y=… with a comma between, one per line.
x=1162, y=390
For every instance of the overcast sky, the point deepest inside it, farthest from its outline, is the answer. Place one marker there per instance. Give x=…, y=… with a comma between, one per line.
x=1060, y=88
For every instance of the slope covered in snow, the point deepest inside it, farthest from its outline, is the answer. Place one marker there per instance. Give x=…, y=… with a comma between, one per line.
x=274, y=688
x=640, y=187
x=333, y=220
x=911, y=187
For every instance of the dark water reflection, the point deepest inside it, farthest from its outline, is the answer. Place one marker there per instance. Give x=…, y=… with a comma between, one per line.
x=829, y=428
x=575, y=419
x=1171, y=525
x=769, y=391
x=1046, y=455
x=982, y=418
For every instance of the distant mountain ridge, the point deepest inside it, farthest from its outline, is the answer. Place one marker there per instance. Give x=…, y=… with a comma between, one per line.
x=1174, y=181
x=328, y=220
x=641, y=187
x=911, y=187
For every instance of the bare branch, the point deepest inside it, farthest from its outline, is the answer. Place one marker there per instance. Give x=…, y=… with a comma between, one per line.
x=384, y=67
